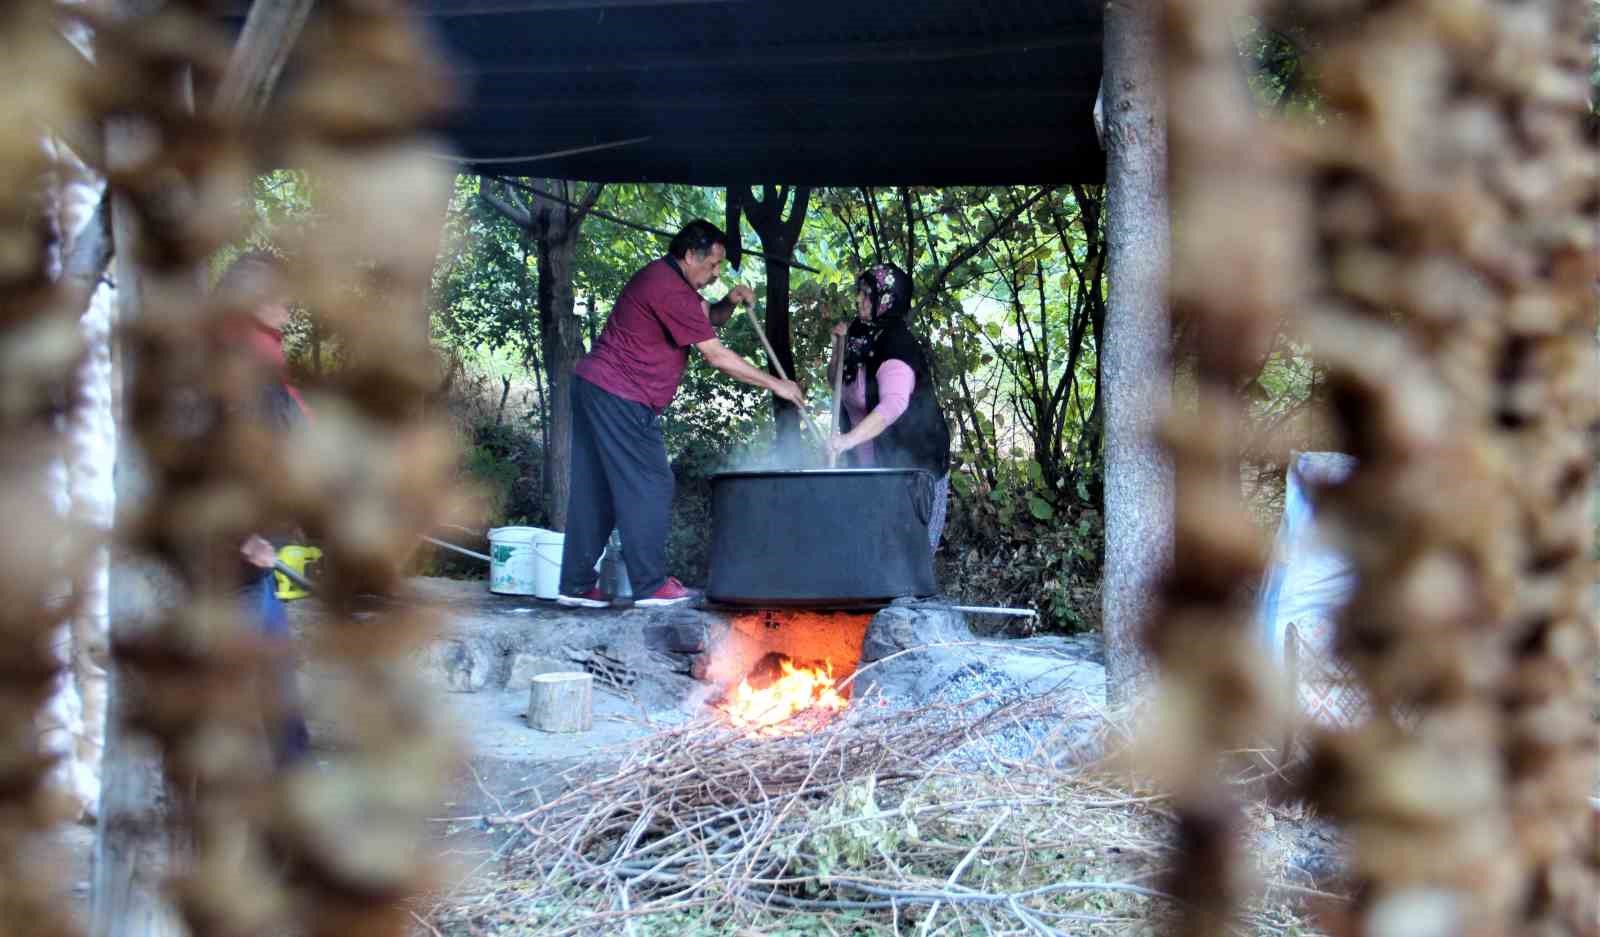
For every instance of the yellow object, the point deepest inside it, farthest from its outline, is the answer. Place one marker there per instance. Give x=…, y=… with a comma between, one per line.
x=296, y=558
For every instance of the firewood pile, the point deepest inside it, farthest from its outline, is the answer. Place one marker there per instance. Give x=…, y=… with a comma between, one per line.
x=321, y=849
x=912, y=820
x=1431, y=237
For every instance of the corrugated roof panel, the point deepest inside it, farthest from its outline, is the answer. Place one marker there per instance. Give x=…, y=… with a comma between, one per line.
x=849, y=92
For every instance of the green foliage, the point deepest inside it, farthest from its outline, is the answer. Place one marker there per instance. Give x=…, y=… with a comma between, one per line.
x=1009, y=297
x=484, y=285
x=853, y=831
x=1008, y=293
x=1011, y=546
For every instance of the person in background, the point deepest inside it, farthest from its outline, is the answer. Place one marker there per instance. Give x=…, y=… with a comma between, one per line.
x=258, y=279
x=620, y=474
x=891, y=417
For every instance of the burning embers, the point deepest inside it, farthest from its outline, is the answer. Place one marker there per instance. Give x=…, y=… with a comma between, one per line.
x=780, y=670
x=777, y=690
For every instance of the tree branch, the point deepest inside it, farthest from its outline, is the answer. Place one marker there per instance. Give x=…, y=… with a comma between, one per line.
x=513, y=211
x=972, y=250
x=927, y=231
x=872, y=223
x=756, y=209
x=797, y=216
x=850, y=229
x=591, y=195
x=911, y=229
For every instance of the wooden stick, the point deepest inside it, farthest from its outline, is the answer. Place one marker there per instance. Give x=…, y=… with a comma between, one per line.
x=838, y=390
x=772, y=356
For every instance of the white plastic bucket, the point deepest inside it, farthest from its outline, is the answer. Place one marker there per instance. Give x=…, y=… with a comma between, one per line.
x=525, y=561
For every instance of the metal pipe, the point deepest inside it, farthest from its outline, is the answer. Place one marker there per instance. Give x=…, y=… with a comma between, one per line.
x=984, y=610
x=294, y=577
x=451, y=546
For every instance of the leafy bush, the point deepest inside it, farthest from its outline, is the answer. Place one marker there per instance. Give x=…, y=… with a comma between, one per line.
x=1016, y=545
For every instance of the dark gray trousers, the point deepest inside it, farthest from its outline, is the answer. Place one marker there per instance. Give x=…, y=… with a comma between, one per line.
x=620, y=479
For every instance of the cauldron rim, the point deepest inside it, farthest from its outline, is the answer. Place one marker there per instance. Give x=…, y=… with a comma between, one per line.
x=814, y=472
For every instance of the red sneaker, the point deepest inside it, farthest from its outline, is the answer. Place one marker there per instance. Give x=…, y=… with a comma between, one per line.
x=671, y=592
x=594, y=598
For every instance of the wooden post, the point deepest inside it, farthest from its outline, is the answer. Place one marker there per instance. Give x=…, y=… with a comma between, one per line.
x=134, y=844
x=562, y=702
x=1135, y=362
x=269, y=35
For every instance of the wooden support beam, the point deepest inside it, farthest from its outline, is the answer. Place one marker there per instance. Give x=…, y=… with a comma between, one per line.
x=766, y=60
x=446, y=9
x=269, y=36
x=133, y=847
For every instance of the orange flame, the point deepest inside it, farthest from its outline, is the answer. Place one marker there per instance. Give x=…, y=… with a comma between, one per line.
x=796, y=690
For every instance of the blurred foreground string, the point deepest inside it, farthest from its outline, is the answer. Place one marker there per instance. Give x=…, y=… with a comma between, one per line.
x=1217, y=693
x=40, y=552
x=313, y=848
x=1432, y=243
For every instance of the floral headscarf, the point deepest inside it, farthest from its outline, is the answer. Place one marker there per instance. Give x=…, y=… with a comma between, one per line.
x=889, y=289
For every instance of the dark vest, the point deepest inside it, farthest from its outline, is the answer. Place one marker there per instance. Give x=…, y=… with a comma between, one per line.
x=920, y=438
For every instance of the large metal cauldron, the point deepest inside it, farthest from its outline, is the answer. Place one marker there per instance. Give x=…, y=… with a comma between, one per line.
x=820, y=537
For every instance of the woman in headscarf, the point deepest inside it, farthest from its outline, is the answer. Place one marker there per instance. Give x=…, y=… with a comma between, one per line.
x=891, y=417
x=257, y=284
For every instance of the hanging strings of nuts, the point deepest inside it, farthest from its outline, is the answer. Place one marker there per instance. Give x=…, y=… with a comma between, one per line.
x=1455, y=201
x=373, y=471
x=40, y=552
x=327, y=848
x=1217, y=692
x=1438, y=221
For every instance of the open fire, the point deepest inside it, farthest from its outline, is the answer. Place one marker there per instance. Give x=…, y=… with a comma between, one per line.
x=778, y=690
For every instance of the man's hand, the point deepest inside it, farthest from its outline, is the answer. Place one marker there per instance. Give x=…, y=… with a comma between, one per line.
x=741, y=295
x=841, y=329
x=790, y=391
x=258, y=552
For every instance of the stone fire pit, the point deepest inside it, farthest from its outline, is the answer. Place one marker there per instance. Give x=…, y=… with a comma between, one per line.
x=657, y=667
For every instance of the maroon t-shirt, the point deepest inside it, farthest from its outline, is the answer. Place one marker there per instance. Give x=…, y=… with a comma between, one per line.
x=641, y=353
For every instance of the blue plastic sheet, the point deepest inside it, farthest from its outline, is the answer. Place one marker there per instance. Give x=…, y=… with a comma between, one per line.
x=1308, y=580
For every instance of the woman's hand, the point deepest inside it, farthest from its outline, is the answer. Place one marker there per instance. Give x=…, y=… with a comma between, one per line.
x=840, y=443
x=258, y=552
x=841, y=329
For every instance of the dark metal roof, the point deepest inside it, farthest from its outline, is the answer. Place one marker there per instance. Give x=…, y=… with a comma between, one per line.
x=823, y=92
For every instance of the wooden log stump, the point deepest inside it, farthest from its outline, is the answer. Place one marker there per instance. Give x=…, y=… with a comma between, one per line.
x=561, y=702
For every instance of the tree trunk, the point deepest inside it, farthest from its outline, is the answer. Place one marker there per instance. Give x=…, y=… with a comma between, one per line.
x=779, y=235
x=1136, y=353
x=784, y=413
x=561, y=344
x=553, y=227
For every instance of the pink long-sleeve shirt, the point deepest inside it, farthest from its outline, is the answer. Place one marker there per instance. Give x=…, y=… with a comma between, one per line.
x=896, y=381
